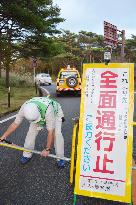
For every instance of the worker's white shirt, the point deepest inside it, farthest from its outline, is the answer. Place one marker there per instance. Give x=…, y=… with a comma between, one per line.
x=49, y=116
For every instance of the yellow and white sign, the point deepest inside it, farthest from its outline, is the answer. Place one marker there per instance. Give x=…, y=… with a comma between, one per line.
x=104, y=155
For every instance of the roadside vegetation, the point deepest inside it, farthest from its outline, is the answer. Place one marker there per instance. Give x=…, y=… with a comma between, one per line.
x=21, y=89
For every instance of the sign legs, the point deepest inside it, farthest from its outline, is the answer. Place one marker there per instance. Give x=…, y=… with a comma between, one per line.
x=75, y=199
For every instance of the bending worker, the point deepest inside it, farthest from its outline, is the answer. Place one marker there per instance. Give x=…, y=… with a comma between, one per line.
x=40, y=111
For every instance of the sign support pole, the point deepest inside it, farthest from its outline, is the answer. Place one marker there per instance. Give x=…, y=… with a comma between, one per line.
x=75, y=199
x=123, y=46
x=131, y=203
x=34, y=74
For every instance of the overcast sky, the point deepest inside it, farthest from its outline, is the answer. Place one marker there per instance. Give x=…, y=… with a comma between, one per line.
x=88, y=15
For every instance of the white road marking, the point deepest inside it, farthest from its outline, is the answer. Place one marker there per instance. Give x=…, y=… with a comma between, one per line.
x=7, y=119
x=47, y=92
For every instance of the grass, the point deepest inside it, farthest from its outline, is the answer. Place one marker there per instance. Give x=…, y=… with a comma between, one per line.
x=18, y=96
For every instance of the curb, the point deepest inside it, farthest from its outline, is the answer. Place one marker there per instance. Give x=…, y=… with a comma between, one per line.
x=9, y=112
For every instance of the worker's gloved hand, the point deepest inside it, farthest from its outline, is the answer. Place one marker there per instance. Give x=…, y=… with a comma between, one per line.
x=2, y=138
x=63, y=119
x=6, y=141
x=45, y=153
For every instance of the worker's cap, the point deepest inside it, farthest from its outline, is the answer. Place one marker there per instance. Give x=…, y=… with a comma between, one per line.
x=31, y=112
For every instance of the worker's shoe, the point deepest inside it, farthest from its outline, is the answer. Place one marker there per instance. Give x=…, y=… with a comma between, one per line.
x=61, y=163
x=24, y=160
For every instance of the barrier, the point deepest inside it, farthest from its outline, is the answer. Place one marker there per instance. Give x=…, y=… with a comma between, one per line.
x=107, y=89
x=16, y=147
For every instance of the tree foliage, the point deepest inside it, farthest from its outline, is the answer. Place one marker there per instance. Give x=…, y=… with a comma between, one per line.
x=21, y=18
x=79, y=48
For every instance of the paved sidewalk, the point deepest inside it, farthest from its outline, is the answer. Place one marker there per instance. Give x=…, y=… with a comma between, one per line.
x=134, y=185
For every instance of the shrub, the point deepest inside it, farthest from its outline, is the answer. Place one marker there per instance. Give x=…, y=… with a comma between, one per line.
x=18, y=81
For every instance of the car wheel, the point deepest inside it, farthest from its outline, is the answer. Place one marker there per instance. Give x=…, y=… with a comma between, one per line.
x=78, y=94
x=71, y=81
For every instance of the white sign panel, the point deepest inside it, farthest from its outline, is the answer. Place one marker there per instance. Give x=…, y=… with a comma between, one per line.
x=105, y=131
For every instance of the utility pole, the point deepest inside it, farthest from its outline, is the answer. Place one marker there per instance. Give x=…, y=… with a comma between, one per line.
x=34, y=65
x=123, y=46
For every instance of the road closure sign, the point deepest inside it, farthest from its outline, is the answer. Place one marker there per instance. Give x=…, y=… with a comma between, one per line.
x=104, y=154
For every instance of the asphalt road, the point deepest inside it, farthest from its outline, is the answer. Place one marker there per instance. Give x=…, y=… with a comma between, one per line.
x=40, y=182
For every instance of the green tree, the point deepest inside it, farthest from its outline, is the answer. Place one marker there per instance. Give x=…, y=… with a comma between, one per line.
x=79, y=48
x=22, y=18
x=130, y=49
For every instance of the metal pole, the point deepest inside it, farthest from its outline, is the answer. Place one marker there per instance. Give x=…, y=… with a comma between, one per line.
x=81, y=67
x=13, y=146
x=90, y=57
x=35, y=88
x=123, y=46
x=9, y=97
x=34, y=74
x=134, y=168
x=75, y=199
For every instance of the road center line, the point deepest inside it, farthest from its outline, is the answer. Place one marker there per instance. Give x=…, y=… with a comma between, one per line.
x=45, y=90
x=7, y=119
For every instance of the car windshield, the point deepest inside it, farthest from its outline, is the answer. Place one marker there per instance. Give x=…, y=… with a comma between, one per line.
x=47, y=75
x=44, y=75
x=66, y=74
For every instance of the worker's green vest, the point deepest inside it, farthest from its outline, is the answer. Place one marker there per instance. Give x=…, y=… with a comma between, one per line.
x=42, y=106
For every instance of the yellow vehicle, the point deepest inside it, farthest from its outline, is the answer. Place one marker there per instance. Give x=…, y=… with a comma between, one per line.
x=68, y=80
